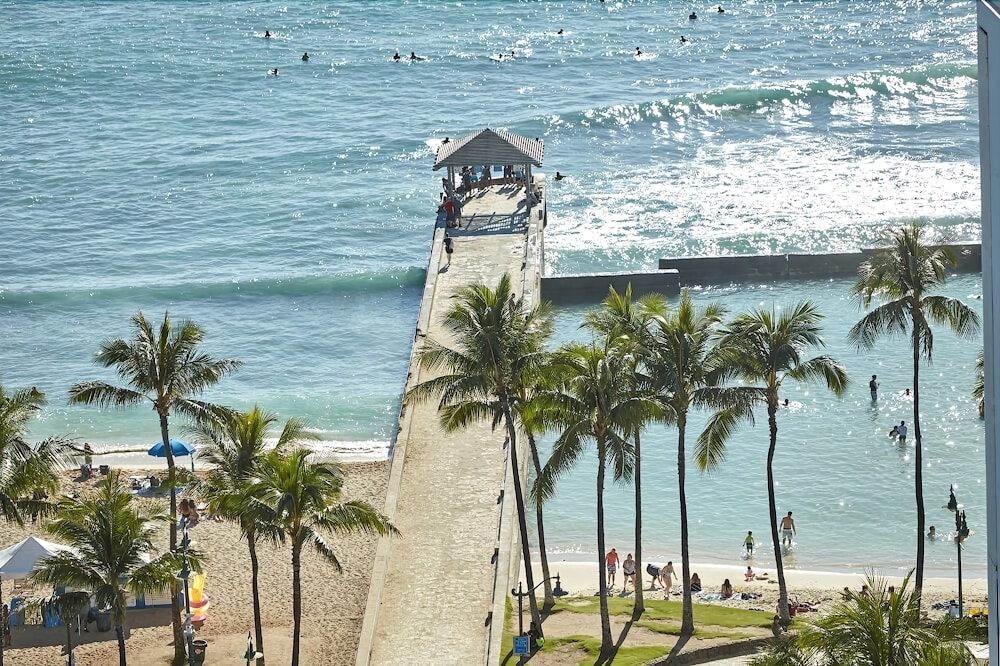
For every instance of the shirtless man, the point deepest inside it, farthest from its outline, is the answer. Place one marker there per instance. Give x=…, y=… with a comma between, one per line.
x=612, y=561
x=787, y=529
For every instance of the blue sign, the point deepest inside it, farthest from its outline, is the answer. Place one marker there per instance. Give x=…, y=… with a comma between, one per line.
x=522, y=645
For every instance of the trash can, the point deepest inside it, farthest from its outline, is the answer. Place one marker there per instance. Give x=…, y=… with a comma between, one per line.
x=104, y=621
x=198, y=648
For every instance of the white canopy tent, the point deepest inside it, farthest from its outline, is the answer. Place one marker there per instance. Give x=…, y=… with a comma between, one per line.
x=17, y=561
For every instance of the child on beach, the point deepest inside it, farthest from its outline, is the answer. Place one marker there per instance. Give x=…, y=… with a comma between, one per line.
x=749, y=575
x=748, y=543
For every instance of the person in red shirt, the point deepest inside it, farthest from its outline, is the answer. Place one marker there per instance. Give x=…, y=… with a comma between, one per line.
x=612, y=561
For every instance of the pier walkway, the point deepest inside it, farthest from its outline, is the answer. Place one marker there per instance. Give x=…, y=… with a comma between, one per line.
x=437, y=593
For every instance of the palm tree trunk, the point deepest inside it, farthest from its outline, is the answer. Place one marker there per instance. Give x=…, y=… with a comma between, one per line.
x=175, y=606
x=522, y=520
x=918, y=475
x=687, y=610
x=255, y=587
x=296, y=600
x=606, y=641
x=550, y=600
x=120, y=631
x=69, y=643
x=640, y=606
x=772, y=420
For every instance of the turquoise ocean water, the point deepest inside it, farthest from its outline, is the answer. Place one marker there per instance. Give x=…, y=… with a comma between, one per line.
x=148, y=161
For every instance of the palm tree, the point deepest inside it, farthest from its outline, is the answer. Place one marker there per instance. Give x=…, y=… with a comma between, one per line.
x=235, y=449
x=682, y=344
x=597, y=402
x=879, y=628
x=27, y=473
x=902, y=278
x=304, y=499
x=166, y=369
x=110, y=536
x=979, y=383
x=499, y=345
x=763, y=349
x=68, y=607
x=625, y=324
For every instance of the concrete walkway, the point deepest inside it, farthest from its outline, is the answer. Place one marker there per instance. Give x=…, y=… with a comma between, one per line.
x=434, y=590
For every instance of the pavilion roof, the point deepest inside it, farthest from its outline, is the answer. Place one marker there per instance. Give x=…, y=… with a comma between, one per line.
x=490, y=146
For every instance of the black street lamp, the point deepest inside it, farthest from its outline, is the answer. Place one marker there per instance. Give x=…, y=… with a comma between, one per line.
x=185, y=574
x=558, y=591
x=961, y=534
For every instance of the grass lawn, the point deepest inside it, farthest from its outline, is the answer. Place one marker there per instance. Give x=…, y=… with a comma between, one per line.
x=661, y=618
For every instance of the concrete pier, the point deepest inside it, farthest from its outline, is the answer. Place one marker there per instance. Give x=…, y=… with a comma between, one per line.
x=437, y=593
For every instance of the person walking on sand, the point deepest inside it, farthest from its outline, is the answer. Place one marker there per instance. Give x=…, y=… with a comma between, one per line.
x=611, y=559
x=873, y=387
x=748, y=543
x=787, y=529
x=667, y=577
x=628, y=572
x=449, y=246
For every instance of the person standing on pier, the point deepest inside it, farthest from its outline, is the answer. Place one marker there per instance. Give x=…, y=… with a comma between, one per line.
x=449, y=246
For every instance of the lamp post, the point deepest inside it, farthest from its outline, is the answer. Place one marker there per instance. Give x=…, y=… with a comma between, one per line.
x=184, y=574
x=961, y=534
x=520, y=594
x=251, y=654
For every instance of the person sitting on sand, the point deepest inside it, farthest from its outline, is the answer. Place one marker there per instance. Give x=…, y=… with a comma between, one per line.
x=188, y=512
x=727, y=589
x=749, y=575
x=695, y=583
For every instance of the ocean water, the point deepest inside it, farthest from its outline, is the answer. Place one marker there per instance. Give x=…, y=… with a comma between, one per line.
x=149, y=162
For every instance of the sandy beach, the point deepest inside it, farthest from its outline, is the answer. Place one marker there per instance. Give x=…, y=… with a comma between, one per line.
x=333, y=604
x=821, y=588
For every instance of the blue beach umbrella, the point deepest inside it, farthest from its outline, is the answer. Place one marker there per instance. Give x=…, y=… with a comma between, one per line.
x=177, y=447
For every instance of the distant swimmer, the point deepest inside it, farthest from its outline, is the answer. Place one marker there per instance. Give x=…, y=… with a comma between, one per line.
x=559, y=176
x=638, y=52
x=721, y=10
x=305, y=57
x=272, y=72
x=396, y=57
x=414, y=56
x=267, y=34
x=560, y=31
x=683, y=39
x=693, y=16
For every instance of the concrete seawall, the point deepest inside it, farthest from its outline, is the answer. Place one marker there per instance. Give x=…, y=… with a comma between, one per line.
x=673, y=274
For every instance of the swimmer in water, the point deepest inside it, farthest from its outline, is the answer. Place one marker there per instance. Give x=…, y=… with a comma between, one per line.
x=267, y=34
x=683, y=40
x=305, y=57
x=638, y=52
x=396, y=57
x=721, y=10
x=559, y=176
x=414, y=56
x=693, y=16
x=272, y=72
x=560, y=31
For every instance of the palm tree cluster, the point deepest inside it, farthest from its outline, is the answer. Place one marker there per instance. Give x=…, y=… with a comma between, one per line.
x=878, y=627
x=648, y=365
x=273, y=493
